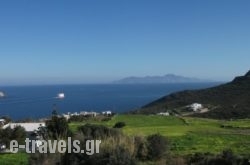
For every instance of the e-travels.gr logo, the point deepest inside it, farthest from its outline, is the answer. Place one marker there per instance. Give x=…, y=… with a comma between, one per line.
x=53, y=146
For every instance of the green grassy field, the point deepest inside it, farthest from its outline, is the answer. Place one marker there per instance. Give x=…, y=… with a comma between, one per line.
x=187, y=135
x=14, y=159
x=241, y=123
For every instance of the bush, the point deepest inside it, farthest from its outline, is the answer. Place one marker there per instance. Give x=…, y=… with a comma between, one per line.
x=121, y=156
x=119, y=125
x=115, y=148
x=117, y=155
x=92, y=131
x=18, y=133
x=141, y=152
x=225, y=158
x=157, y=146
x=58, y=127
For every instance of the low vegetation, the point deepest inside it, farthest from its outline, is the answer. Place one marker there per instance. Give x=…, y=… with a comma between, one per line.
x=148, y=140
x=14, y=159
x=188, y=140
x=187, y=135
x=6, y=135
x=119, y=125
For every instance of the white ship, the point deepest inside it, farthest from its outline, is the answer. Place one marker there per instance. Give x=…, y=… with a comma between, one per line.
x=60, y=95
x=2, y=94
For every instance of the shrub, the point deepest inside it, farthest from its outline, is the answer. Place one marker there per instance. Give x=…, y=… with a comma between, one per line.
x=121, y=156
x=119, y=125
x=115, y=148
x=18, y=133
x=157, y=146
x=141, y=152
x=92, y=131
x=225, y=158
x=58, y=127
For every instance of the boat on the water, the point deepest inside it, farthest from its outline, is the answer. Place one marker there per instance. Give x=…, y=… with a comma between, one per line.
x=60, y=95
x=2, y=94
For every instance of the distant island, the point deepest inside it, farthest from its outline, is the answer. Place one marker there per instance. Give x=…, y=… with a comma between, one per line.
x=168, y=78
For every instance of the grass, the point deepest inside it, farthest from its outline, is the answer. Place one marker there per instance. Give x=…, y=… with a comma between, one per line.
x=210, y=142
x=187, y=135
x=149, y=124
x=241, y=123
x=14, y=159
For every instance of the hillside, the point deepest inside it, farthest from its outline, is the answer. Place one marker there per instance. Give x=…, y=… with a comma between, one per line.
x=188, y=135
x=168, y=78
x=230, y=100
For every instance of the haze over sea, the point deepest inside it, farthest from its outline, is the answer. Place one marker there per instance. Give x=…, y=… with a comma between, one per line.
x=38, y=101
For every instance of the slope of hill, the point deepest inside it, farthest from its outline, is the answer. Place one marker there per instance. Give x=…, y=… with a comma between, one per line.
x=230, y=100
x=169, y=78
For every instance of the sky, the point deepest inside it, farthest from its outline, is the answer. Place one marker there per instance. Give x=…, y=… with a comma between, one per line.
x=98, y=41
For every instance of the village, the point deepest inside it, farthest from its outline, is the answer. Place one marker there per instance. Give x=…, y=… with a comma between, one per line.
x=33, y=129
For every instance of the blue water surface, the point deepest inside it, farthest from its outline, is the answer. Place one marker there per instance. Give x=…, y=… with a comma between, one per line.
x=38, y=101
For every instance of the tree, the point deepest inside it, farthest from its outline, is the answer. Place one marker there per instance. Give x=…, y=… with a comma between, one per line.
x=57, y=127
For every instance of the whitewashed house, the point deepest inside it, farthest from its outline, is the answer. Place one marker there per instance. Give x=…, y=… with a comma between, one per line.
x=85, y=113
x=29, y=127
x=195, y=106
x=163, y=114
x=107, y=113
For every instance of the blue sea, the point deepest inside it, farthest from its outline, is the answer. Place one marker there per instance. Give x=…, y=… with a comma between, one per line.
x=36, y=102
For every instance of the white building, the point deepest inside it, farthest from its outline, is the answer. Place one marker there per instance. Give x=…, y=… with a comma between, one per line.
x=29, y=127
x=195, y=106
x=85, y=113
x=163, y=113
x=107, y=113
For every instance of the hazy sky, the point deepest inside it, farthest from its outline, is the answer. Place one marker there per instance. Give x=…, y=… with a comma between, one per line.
x=89, y=41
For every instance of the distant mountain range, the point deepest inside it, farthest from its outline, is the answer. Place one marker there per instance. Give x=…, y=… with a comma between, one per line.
x=169, y=78
x=226, y=101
